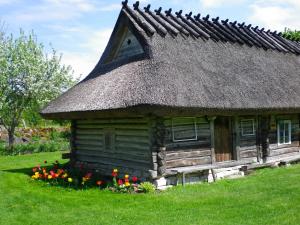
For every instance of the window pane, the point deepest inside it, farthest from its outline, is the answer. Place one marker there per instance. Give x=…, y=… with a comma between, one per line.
x=247, y=127
x=184, y=129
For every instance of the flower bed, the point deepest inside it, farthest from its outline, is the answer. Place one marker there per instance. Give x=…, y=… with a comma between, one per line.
x=56, y=174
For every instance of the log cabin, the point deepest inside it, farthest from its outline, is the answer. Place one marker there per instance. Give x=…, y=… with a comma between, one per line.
x=181, y=94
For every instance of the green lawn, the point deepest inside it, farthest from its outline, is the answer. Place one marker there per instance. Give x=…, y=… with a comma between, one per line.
x=271, y=196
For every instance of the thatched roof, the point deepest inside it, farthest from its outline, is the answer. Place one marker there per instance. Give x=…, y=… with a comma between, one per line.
x=190, y=62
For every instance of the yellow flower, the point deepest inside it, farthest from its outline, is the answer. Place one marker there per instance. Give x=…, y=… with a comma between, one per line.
x=127, y=184
x=33, y=177
x=65, y=175
x=36, y=173
x=115, y=170
x=70, y=180
x=49, y=177
x=126, y=176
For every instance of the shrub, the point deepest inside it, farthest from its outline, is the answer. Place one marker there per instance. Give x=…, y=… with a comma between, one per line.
x=147, y=187
x=35, y=147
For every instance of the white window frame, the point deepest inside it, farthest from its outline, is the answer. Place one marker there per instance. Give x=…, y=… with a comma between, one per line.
x=289, y=122
x=187, y=139
x=253, y=127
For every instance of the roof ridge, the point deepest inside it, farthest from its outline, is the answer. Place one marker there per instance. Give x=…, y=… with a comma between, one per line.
x=205, y=28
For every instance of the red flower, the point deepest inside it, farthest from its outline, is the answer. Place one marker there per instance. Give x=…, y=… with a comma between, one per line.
x=88, y=175
x=99, y=182
x=134, y=179
x=120, y=182
x=126, y=180
x=114, y=174
x=34, y=169
x=45, y=161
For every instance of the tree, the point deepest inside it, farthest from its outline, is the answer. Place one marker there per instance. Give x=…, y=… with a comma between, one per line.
x=29, y=78
x=291, y=35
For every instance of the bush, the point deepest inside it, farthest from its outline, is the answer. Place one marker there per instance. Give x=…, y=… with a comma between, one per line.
x=35, y=147
x=147, y=187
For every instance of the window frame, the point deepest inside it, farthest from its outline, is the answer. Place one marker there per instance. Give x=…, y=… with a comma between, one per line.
x=289, y=122
x=253, y=127
x=187, y=139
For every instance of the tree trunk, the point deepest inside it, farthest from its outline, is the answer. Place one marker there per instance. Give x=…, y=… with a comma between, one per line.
x=11, y=138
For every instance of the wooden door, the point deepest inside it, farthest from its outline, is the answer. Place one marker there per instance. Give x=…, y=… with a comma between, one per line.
x=223, y=139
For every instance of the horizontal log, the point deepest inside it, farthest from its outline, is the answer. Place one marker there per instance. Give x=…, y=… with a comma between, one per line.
x=276, y=146
x=187, y=145
x=281, y=151
x=187, y=154
x=114, y=162
x=89, y=143
x=89, y=137
x=130, y=145
x=131, y=139
x=168, y=122
x=115, y=156
x=114, y=121
x=131, y=132
x=89, y=131
x=189, y=162
x=116, y=126
x=248, y=153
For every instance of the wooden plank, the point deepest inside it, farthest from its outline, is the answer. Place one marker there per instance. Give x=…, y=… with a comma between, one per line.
x=117, y=155
x=89, y=137
x=212, y=140
x=114, y=162
x=282, y=151
x=249, y=153
x=189, y=162
x=114, y=121
x=98, y=143
x=89, y=131
x=116, y=126
x=131, y=132
x=237, y=138
x=132, y=139
x=187, y=154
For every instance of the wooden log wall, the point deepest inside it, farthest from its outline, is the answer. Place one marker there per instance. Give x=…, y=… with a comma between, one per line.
x=130, y=46
x=114, y=143
x=276, y=150
x=189, y=152
x=247, y=144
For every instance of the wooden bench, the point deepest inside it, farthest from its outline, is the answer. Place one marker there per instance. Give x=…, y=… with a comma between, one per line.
x=181, y=172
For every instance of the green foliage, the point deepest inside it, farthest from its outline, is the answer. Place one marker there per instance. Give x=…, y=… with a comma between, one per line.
x=291, y=35
x=34, y=147
x=147, y=187
x=29, y=79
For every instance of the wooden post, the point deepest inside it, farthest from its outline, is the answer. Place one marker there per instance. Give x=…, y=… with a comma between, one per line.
x=158, y=145
x=237, y=138
x=212, y=138
x=258, y=139
x=72, y=142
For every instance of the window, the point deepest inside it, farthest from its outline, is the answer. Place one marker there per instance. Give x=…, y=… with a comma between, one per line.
x=284, y=132
x=184, y=129
x=248, y=127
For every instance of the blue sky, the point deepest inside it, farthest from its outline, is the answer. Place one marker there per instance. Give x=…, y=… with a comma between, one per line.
x=79, y=29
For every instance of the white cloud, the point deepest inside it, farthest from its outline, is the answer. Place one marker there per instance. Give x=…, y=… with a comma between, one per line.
x=111, y=7
x=207, y=4
x=49, y=10
x=276, y=14
x=85, y=60
x=8, y=2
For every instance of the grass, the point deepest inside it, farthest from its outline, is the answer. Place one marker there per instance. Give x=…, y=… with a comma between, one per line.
x=270, y=196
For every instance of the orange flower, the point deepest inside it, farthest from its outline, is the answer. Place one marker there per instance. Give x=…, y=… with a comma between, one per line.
x=99, y=182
